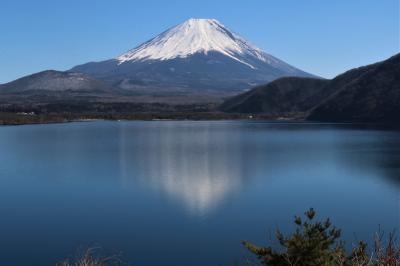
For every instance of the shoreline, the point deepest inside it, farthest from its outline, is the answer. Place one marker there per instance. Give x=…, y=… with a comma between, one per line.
x=9, y=119
x=15, y=119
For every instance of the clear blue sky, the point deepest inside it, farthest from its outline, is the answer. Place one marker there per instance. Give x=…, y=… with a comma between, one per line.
x=321, y=37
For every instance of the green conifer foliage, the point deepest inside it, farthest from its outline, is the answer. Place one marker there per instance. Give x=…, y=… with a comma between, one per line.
x=314, y=243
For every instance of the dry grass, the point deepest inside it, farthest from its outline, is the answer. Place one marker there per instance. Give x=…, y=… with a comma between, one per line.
x=386, y=252
x=92, y=257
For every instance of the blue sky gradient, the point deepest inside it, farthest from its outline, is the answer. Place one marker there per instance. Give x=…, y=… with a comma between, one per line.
x=322, y=37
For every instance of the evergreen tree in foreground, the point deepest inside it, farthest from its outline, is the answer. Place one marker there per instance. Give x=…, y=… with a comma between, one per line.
x=317, y=243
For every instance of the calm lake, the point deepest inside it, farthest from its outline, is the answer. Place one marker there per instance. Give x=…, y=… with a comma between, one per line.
x=187, y=193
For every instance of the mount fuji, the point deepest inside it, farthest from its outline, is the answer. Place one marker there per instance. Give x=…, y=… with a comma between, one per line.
x=200, y=57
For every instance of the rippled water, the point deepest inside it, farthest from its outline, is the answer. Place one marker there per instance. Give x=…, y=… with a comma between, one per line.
x=186, y=193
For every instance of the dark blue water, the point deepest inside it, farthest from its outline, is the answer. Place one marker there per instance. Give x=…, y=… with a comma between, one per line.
x=186, y=193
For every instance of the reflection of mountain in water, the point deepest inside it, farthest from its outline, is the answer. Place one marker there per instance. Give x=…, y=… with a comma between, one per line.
x=193, y=165
x=201, y=164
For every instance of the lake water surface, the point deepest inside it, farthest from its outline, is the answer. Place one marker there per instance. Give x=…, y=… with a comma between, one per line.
x=187, y=193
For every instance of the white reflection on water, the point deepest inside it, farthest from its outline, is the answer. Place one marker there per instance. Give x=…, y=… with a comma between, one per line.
x=195, y=166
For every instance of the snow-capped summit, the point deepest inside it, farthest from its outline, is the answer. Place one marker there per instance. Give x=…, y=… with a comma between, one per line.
x=199, y=60
x=195, y=36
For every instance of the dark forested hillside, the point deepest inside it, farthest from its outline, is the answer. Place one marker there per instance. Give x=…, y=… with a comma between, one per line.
x=283, y=96
x=366, y=94
x=371, y=96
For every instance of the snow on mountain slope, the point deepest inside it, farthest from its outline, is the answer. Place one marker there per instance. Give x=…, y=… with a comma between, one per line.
x=197, y=36
x=197, y=58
